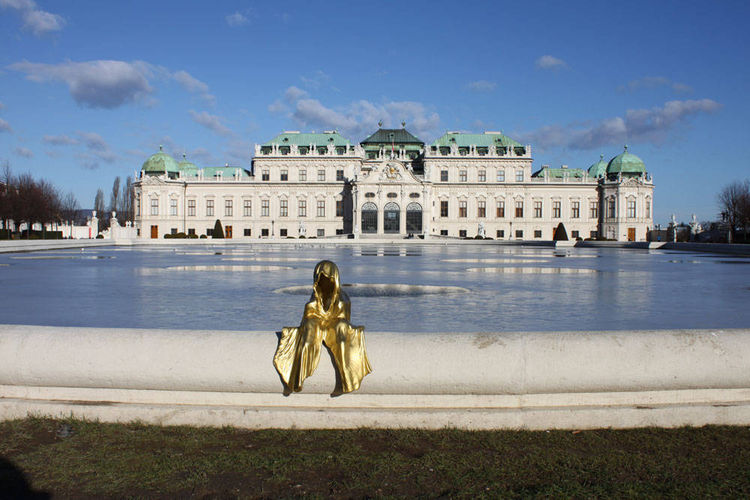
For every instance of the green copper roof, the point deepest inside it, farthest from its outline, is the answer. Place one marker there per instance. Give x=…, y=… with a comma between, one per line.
x=160, y=163
x=559, y=173
x=392, y=135
x=185, y=165
x=626, y=163
x=481, y=140
x=598, y=169
x=324, y=139
x=226, y=172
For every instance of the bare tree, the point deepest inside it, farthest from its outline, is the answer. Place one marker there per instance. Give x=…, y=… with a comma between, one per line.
x=114, y=198
x=69, y=209
x=126, y=200
x=99, y=209
x=734, y=203
x=7, y=196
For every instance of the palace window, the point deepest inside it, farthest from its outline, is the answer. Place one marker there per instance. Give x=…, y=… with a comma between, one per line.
x=443, y=208
x=265, y=175
x=575, y=234
x=282, y=233
x=500, y=209
x=500, y=233
x=575, y=209
x=339, y=208
x=648, y=209
x=191, y=208
x=462, y=233
x=538, y=209
x=228, y=208
x=519, y=234
x=519, y=175
x=462, y=209
x=631, y=209
x=302, y=208
x=482, y=176
x=191, y=231
x=173, y=207
x=209, y=208
x=247, y=232
x=537, y=233
x=322, y=174
x=138, y=206
x=284, y=175
x=339, y=175
x=594, y=209
x=321, y=233
x=264, y=232
x=443, y=232
x=247, y=208
x=556, y=209
x=154, y=206
x=302, y=175
x=611, y=208
x=264, y=208
x=501, y=175
x=519, y=208
x=283, y=208
x=321, y=208
x=443, y=176
x=462, y=176
x=481, y=208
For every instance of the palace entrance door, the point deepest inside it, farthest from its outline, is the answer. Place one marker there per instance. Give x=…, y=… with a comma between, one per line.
x=631, y=234
x=391, y=218
x=154, y=232
x=414, y=218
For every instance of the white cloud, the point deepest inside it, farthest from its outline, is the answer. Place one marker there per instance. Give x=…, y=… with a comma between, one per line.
x=97, y=150
x=294, y=93
x=211, y=122
x=25, y=152
x=481, y=86
x=192, y=84
x=59, y=140
x=237, y=19
x=5, y=126
x=41, y=22
x=96, y=84
x=361, y=117
x=35, y=20
x=278, y=107
x=550, y=62
x=649, y=82
x=638, y=125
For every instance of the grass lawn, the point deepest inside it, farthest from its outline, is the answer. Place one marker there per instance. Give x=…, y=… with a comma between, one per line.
x=71, y=458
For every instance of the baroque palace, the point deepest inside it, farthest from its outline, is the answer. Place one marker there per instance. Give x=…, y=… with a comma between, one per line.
x=393, y=185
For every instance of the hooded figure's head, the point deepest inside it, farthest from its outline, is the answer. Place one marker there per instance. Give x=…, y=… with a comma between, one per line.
x=326, y=286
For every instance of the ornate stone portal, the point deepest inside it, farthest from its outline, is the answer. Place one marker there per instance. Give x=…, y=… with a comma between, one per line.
x=325, y=320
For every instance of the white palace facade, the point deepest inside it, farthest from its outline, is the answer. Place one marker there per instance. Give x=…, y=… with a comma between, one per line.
x=394, y=185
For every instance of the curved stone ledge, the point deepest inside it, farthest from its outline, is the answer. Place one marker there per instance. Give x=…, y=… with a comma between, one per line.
x=481, y=380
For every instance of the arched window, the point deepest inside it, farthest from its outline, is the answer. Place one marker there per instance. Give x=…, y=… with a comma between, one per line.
x=414, y=218
x=369, y=218
x=391, y=218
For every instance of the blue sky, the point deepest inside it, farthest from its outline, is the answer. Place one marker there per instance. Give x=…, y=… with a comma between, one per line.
x=89, y=89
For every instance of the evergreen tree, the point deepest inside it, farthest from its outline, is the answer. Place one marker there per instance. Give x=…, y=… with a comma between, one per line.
x=218, y=230
x=560, y=233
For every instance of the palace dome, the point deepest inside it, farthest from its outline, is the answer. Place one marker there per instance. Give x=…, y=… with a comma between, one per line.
x=626, y=164
x=598, y=169
x=160, y=163
x=186, y=165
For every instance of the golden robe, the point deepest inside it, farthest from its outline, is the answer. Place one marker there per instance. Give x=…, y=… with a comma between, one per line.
x=325, y=320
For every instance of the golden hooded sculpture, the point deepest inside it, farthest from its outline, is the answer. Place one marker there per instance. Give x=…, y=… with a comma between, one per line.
x=325, y=319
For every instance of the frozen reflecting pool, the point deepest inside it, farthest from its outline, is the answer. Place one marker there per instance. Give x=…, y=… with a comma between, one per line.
x=393, y=287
